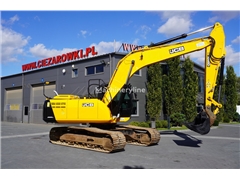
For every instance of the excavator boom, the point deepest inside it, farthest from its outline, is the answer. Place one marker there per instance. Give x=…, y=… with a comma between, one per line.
x=162, y=51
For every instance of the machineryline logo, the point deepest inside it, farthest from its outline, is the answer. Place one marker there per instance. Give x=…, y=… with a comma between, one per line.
x=116, y=90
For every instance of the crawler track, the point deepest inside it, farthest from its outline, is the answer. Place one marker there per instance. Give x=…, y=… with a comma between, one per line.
x=106, y=141
x=88, y=138
x=140, y=135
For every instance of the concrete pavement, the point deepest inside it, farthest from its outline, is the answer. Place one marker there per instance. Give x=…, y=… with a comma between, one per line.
x=26, y=146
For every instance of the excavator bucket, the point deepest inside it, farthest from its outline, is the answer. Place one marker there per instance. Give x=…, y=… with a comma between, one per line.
x=201, y=123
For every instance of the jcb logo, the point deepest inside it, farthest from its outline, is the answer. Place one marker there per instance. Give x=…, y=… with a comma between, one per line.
x=87, y=104
x=175, y=50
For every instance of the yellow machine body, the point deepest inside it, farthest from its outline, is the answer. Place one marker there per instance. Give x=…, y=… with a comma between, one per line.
x=72, y=109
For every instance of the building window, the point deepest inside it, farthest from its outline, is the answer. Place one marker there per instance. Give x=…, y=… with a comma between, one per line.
x=200, y=83
x=95, y=69
x=74, y=73
x=135, y=111
x=138, y=73
x=99, y=68
x=7, y=107
x=13, y=107
x=37, y=106
x=34, y=106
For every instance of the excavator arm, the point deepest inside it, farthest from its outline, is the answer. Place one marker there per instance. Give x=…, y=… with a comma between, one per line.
x=214, y=46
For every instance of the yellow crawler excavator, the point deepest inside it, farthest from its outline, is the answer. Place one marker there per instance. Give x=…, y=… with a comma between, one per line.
x=114, y=103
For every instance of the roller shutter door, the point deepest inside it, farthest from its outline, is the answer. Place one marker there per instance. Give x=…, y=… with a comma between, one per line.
x=13, y=105
x=36, y=102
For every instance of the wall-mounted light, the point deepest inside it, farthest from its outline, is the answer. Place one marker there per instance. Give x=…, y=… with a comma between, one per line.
x=104, y=63
x=64, y=71
x=73, y=66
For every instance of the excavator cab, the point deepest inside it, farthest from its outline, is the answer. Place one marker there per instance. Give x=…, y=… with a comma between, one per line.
x=122, y=105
